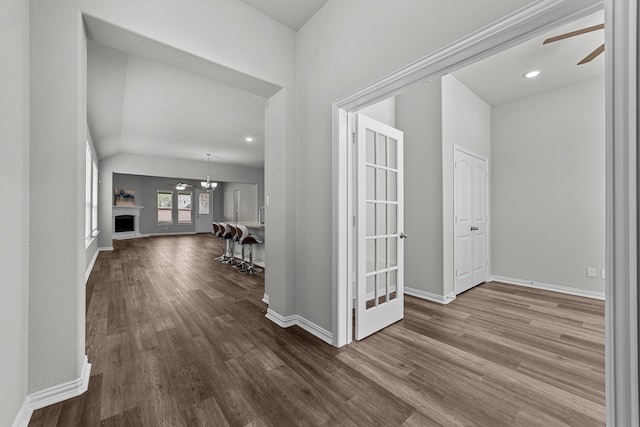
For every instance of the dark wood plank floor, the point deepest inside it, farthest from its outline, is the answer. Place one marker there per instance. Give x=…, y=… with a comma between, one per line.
x=176, y=339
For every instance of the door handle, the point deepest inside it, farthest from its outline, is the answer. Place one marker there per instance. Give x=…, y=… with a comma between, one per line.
x=473, y=228
x=403, y=236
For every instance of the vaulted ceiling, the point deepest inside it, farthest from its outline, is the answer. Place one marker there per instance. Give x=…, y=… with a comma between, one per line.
x=178, y=106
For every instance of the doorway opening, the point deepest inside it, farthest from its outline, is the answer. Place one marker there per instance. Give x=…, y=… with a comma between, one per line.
x=528, y=22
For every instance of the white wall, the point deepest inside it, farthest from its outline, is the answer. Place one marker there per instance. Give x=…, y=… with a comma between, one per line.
x=466, y=122
x=14, y=227
x=346, y=45
x=419, y=116
x=248, y=211
x=383, y=111
x=57, y=156
x=227, y=32
x=548, y=186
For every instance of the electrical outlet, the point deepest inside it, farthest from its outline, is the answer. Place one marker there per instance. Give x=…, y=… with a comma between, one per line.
x=591, y=272
x=603, y=276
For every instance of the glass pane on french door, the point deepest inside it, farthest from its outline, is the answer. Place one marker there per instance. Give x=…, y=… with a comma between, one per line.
x=382, y=226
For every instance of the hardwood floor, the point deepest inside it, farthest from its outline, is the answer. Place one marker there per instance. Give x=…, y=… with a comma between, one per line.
x=176, y=339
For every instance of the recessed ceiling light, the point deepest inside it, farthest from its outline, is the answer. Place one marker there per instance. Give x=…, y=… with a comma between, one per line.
x=531, y=74
x=249, y=139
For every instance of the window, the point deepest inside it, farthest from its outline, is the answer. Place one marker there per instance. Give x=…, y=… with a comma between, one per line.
x=184, y=207
x=87, y=193
x=90, y=195
x=94, y=200
x=165, y=206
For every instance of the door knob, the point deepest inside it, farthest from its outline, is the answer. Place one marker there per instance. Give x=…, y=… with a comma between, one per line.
x=403, y=236
x=473, y=228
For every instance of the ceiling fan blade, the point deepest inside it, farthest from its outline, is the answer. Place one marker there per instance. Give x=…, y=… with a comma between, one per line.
x=573, y=33
x=592, y=55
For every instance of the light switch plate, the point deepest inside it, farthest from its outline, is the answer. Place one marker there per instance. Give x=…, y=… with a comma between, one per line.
x=591, y=272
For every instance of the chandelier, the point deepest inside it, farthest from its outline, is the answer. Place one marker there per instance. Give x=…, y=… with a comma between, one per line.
x=208, y=185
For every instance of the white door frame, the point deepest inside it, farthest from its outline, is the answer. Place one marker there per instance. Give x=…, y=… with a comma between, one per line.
x=621, y=284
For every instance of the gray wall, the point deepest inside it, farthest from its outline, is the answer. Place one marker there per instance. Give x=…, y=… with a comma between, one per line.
x=14, y=227
x=335, y=56
x=548, y=186
x=419, y=116
x=466, y=122
x=133, y=172
x=146, y=188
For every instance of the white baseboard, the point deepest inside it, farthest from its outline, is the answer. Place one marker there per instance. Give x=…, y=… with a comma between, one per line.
x=90, y=268
x=105, y=249
x=442, y=299
x=265, y=299
x=24, y=415
x=53, y=395
x=181, y=233
x=288, y=321
x=549, y=287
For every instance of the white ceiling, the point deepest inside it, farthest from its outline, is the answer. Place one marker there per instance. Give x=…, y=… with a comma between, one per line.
x=292, y=13
x=140, y=106
x=498, y=78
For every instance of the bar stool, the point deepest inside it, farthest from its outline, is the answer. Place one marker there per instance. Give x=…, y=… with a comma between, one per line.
x=241, y=233
x=228, y=234
x=251, y=239
x=234, y=240
x=217, y=232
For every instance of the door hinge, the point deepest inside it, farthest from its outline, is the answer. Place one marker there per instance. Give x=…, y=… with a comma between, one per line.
x=355, y=221
x=354, y=137
x=456, y=272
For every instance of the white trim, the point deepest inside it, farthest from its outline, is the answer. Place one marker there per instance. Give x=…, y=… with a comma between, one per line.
x=182, y=233
x=297, y=320
x=531, y=20
x=418, y=293
x=105, y=249
x=621, y=283
x=548, y=287
x=90, y=268
x=265, y=299
x=24, y=415
x=53, y=395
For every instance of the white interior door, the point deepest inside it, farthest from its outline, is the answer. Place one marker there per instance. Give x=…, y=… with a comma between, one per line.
x=470, y=221
x=203, y=212
x=380, y=266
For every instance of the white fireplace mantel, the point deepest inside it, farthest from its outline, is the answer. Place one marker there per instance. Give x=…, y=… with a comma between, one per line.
x=126, y=210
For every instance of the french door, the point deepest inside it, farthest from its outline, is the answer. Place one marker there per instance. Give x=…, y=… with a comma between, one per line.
x=380, y=267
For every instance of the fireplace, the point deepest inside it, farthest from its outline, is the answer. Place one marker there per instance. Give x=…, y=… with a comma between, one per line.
x=124, y=223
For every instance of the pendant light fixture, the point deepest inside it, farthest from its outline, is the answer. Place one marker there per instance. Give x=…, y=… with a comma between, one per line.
x=209, y=186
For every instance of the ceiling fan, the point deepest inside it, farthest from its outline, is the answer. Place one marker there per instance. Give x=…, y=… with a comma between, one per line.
x=181, y=185
x=207, y=185
x=593, y=54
